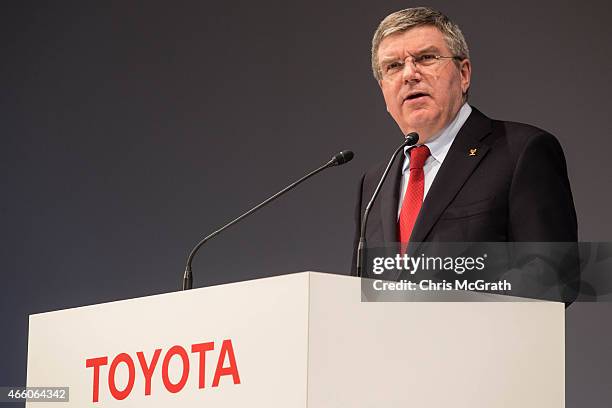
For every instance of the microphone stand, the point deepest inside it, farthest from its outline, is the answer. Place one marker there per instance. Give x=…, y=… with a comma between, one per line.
x=341, y=158
x=410, y=140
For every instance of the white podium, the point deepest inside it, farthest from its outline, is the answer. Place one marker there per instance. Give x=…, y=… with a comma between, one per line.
x=303, y=340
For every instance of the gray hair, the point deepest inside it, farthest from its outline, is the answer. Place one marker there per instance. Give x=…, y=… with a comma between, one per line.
x=404, y=20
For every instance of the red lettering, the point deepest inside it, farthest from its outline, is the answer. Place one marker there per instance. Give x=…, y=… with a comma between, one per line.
x=202, y=348
x=232, y=369
x=121, y=358
x=96, y=363
x=223, y=368
x=147, y=371
x=175, y=350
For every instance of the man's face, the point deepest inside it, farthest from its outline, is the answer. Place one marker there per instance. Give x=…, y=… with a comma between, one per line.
x=424, y=99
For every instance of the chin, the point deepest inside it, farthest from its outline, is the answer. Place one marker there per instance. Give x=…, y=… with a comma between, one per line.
x=421, y=115
x=420, y=122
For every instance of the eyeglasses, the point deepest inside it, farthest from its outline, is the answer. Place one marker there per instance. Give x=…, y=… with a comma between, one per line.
x=424, y=63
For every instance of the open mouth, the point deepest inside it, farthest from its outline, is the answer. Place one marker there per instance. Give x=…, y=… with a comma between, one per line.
x=415, y=96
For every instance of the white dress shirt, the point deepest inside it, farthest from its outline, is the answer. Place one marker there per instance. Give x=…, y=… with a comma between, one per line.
x=439, y=146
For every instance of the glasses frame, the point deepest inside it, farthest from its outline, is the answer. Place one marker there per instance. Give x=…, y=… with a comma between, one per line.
x=414, y=60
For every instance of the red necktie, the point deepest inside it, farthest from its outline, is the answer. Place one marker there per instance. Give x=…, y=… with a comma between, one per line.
x=413, y=199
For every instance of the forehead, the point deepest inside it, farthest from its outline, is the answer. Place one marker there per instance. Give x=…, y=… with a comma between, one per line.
x=412, y=41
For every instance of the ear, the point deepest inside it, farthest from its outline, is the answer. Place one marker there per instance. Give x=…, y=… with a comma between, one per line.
x=380, y=85
x=465, y=70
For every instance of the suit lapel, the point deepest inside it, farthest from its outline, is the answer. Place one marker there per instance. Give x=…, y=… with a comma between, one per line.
x=457, y=167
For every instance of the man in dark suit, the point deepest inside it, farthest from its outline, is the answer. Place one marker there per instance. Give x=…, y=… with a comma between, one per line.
x=470, y=178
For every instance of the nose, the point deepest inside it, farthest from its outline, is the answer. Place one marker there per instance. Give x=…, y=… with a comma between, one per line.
x=410, y=72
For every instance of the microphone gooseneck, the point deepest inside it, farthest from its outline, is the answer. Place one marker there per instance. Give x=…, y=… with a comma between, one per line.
x=341, y=158
x=410, y=140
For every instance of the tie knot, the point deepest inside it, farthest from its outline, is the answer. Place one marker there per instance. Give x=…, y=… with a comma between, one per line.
x=418, y=155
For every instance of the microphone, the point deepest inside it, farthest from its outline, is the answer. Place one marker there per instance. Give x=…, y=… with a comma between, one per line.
x=344, y=156
x=341, y=158
x=410, y=140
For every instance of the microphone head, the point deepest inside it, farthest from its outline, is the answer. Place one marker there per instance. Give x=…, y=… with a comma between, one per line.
x=344, y=156
x=412, y=138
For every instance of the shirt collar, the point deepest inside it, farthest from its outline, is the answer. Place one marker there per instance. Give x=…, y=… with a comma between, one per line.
x=440, y=144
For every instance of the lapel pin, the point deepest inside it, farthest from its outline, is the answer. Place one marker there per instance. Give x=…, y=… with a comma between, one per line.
x=473, y=152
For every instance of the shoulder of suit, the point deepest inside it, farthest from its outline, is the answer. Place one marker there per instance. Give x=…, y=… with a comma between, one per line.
x=517, y=136
x=521, y=135
x=516, y=132
x=375, y=172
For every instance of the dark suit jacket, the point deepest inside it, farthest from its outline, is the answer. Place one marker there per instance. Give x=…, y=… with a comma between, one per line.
x=514, y=188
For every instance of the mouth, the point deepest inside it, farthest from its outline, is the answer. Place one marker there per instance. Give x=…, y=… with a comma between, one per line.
x=415, y=96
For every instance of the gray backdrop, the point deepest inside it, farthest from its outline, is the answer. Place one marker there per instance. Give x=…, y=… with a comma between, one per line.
x=131, y=129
